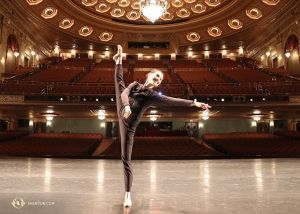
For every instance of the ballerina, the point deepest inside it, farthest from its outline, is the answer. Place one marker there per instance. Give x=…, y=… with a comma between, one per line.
x=132, y=102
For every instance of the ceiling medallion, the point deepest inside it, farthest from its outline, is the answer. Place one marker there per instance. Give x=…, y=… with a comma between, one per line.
x=235, y=24
x=49, y=12
x=102, y=8
x=183, y=13
x=135, y=5
x=189, y=1
x=85, y=31
x=271, y=2
x=66, y=23
x=89, y=3
x=213, y=3
x=112, y=1
x=34, y=2
x=193, y=36
x=106, y=36
x=214, y=31
x=153, y=9
x=198, y=8
x=254, y=13
x=177, y=3
x=167, y=16
x=117, y=12
x=133, y=15
x=124, y=3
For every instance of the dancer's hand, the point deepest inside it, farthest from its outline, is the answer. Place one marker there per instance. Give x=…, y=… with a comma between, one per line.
x=202, y=105
x=127, y=112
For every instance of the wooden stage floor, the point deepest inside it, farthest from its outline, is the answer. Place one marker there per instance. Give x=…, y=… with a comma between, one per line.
x=95, y=186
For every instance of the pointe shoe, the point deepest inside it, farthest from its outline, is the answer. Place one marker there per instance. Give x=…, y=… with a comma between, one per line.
x=118, y=56
x=127, y=202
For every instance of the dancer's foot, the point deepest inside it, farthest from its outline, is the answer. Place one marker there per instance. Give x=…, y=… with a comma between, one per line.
x=127, y=202
x=118, y=56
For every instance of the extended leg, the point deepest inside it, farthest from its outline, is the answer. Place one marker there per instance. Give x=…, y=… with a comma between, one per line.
x=126, y=135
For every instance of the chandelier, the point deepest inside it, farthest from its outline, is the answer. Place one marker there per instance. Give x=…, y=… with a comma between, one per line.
x=153, y=9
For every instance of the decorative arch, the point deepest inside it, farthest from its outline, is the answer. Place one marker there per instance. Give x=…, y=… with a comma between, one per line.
x=11, y=60
x=292, y=43
x=12, y=43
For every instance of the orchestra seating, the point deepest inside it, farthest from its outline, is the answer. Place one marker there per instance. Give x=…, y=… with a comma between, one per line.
x=75, y=62
x=25, y=70
x=185, y=64
x=109, y=63
x=21, y=88
x=247, y=75
x=103, y=72
x=155, y=131
x=99, y=75
x=174, y=90
x=283, y=89
x=149, y=64
x=295, y=135
x=199, y=76
x=222, y=63
x=11, y=135
x=279, y=71
x=162, y=147
x=55, y=75
x=52, y=144
x=252, y=144
x=225, y=89
x=82, y=89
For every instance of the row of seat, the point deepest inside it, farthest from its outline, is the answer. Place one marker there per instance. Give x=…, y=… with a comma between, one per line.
x=255, y=144
x=51, y=144
x=162, y=147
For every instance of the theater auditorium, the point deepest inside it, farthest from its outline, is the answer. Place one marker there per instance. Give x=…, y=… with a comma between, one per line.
x=60, y=146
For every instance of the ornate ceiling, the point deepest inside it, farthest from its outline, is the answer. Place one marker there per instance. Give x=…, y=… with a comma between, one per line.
x=189, y=25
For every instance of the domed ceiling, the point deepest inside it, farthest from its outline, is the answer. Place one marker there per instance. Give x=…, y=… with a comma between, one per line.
x=189, y=25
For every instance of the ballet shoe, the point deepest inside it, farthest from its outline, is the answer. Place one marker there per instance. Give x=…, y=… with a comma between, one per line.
x=127, y=202
x=117, y=57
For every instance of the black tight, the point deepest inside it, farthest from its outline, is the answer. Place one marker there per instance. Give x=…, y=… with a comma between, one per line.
x=126, y=131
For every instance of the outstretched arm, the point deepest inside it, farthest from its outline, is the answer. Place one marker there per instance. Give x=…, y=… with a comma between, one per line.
x=171, y=101
x=201, y=105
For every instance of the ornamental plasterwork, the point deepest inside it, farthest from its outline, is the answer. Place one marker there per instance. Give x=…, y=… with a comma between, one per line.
x=271, y=2
x=214, y=31
x=193, y=36
x=49, y=12
x=254, y=13
x=106, y=36
x=235, y=24
x=85, y=31
x=34, y=2
x=66, y=23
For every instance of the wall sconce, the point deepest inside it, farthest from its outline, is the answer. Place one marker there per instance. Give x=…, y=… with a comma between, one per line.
x=16, y=54
x=287, y=54
x=268, y=53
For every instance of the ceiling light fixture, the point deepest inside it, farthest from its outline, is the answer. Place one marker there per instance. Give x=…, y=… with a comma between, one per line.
x=49, y=118
x=153, y=118
x=153, y=9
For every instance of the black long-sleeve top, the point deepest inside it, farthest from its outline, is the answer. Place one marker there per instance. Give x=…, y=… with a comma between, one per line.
x=140, y=98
